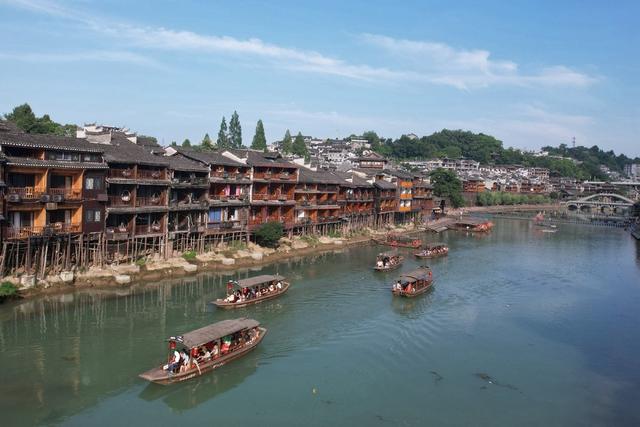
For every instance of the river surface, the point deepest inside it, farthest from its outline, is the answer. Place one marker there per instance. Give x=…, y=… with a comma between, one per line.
x=522, y=328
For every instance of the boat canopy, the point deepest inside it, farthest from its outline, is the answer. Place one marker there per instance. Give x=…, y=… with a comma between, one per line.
x=215, y=331
x=421, y=273
x=258, y=280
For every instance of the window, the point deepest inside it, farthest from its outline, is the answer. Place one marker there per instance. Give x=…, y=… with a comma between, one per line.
x=92, y=215
x=93, y=183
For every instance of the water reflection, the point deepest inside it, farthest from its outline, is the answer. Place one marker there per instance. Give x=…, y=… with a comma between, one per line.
x=190, y=394
x=412, y=308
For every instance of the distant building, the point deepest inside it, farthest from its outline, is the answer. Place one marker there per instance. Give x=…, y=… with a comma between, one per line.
x=632, y=170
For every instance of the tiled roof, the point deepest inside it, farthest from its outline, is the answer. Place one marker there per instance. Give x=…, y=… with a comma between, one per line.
x=322, y=177
x=121, y=150
x=208, y=157
x=26, y=161
x=259, y=158
x=13, y=138
x=181, y=163
x=385, y=185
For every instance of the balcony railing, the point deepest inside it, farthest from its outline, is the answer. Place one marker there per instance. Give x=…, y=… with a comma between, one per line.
x=127, y=173
x=24, y=192
x=38, y=230
x=151, y=174
x=66, y=193
x=148, y=229
x=121, y=201
x=150, y=201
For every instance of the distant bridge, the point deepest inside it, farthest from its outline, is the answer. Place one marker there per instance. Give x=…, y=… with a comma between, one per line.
x=602, y=204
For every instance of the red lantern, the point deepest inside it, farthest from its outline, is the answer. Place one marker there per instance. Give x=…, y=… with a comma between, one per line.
x=172, y=345
x=194, y=352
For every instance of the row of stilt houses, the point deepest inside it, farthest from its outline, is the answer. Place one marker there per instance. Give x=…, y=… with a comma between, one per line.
x=108, y=196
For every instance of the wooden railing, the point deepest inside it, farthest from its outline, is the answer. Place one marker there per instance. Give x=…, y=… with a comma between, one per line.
x=148, y=229
x=127, y=173
x=151, y=174
x=38, y=230
x=150, y=201
x=25, y=192
x=66, y=193
x=120, y=201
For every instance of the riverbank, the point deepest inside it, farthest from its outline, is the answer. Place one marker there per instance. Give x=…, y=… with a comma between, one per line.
x=224, y=258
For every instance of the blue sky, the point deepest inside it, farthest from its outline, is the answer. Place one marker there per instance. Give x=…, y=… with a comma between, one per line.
x=529, y=73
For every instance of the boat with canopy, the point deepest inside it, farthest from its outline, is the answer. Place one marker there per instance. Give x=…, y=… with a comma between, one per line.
x=197, y=352
x=253, y=290
x=433, y=250
x=414, y=283
x=387, y=261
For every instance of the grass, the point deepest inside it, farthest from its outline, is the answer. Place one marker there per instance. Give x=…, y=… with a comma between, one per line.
x=140, y=262
x=189, y=255
x=310, y=239
x=8, y=290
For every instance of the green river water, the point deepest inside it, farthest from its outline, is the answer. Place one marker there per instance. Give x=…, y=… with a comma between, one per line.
x=522, y=328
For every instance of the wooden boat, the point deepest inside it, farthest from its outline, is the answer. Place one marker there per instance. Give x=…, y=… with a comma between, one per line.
x=414, y=283
x=472, y=224
x=226, y=340
x=398, y=241
x=253, y=284
x=387, y=261
x=433, y=250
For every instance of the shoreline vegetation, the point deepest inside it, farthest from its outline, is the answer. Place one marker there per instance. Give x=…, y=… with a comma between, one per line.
x=231, y=257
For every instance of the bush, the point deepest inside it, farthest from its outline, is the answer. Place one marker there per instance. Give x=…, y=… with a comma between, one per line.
x=140, y=262
x=310, y=239
x=8, y=290
x=335, y=234
x=268, y=234
x=189, y=255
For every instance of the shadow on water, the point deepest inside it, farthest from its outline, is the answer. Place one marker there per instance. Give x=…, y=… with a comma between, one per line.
x=412, y=308
x=190, y=394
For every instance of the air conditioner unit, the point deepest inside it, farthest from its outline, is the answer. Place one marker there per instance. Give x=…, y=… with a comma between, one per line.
x=57, y=198
x=13, y=198
x=45, y=198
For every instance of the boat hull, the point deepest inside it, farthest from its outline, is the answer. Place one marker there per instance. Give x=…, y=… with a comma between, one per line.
x=404, y=294
x=230, y=305
x=160, y=376
x=391, y=268
x=430, y=256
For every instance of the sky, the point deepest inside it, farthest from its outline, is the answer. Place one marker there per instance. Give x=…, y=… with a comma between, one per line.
x=529, y=73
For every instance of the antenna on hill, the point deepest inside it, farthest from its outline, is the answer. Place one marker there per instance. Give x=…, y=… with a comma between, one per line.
x=573, y=142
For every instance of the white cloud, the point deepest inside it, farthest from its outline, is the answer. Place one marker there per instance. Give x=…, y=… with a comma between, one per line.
x=464, y=69
x=425, y=62
x=99, y=56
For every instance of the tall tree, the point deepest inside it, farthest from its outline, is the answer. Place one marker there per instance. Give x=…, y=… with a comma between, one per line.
x=259, y=139
x=299, y=147
x=186, y=143
x=235, y=131
x=223, y=137
x=174, y=144
x=207, y=143
x=287, y=143
x=446, y=184
x=23, y=117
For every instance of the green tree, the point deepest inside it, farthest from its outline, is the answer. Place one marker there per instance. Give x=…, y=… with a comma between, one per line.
x=235, y=131
x=174, y=144
x=373, y=139
x=186, y=143
x=446, y=184
x=23, y=117
x=207, y=143
x=287, y=144
x=268, y=234
x=259, y=139
x=223, y=137
x=298, y=147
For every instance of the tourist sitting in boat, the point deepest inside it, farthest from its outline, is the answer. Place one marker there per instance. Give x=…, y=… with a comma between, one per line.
x=271, y=287
x=173, y=363
x=379, y=264
x=279, y=285
x=205, y=354
x=185, y=361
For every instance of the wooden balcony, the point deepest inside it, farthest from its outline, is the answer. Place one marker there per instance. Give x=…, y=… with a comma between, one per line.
x=66, y=193
x=25, y=193
x=121, y=201
x=36, y=230
x=150, y=201
x=120, y=173
x=158, y=175
x=142, y=230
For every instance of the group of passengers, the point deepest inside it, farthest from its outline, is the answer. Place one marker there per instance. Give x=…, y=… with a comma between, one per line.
x=403, y=287
x=249, y=293
x=387, y=261
x=434, y=251
x=182, y=361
